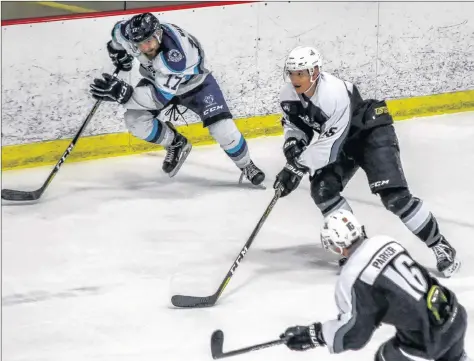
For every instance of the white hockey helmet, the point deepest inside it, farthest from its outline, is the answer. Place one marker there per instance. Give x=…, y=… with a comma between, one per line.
x=340, y=230
x=303, y=58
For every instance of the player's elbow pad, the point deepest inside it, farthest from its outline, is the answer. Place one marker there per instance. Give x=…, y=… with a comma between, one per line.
x=360, y=338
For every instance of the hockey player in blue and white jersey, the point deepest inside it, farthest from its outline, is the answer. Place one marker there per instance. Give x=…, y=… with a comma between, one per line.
x=382, y=284
x=173, y=66
x=330, y=131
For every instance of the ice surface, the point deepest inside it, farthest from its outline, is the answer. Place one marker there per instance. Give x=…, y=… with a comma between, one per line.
x=88, y=271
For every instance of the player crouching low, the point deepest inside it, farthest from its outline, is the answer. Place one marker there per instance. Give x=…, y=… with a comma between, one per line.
x=174, y=73
x=330, y=132
x=382, y=284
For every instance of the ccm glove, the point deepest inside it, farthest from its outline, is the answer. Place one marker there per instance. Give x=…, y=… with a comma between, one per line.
x=292, y=148
x=111, y=89
x=289, y=178
x=302, y=338
x=120, y=58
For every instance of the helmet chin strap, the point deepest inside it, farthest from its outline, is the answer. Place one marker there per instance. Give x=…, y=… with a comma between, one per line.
x=313, y=82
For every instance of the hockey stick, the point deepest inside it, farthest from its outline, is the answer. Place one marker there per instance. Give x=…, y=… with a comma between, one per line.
x=217, y=342
x=16, y=195
x=195, y=301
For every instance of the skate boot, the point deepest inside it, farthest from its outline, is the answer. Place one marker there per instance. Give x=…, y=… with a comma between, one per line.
x=176, y=154
x=253, y=174
x=446, y=261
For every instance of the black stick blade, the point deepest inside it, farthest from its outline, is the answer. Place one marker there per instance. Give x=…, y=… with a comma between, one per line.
x=217, y=343
x=192, y=301
x=13, y=195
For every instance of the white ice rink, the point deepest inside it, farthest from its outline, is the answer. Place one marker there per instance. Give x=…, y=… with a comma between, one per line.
x=88, y=271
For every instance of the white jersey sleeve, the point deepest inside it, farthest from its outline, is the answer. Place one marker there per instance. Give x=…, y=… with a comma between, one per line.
x=120, y=41
x=288, y=99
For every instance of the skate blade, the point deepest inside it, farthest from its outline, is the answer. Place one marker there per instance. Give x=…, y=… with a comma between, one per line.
x=453, y=269
x=182, y=158
x=258, y=186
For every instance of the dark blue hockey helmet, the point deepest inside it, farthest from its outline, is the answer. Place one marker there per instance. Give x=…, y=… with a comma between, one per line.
x=142, y=27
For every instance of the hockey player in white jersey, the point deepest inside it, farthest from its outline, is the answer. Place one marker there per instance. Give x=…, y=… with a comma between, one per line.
x=330, y=131
x=172, y=63
x=382, y=284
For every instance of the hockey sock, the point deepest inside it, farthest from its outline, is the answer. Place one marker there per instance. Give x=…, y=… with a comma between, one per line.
x=159, y=133
x=231, y=140
x=333, y=204
x=418, y=219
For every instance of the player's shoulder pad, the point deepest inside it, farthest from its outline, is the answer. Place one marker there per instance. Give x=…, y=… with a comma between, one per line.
x=333, y=94
x=360, y=264
x=289, y=101
x=173, y=55
x=119, y=29
x=287, y=92
x=363, y=254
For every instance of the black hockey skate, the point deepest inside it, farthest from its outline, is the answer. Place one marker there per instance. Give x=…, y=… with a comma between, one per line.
x=176, y=154
x=446, y=261
x=253, y=174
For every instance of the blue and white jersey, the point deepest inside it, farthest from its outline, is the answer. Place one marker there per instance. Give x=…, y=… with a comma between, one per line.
x=178, y=68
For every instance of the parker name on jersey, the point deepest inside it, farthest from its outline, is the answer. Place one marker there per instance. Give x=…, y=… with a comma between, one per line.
x=376, y=278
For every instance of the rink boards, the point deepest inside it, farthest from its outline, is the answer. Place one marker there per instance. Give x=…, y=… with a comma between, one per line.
x=45, y=91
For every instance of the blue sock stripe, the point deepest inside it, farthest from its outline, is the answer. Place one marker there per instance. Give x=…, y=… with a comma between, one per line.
x=240, y=155
x=155, y=133
x=238, y=149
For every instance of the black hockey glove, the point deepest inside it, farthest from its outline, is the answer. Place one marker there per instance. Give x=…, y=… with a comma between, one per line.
x=111, y=89
x=120, y=58
x=302, y=338
x=292, y=148
x=289, y=178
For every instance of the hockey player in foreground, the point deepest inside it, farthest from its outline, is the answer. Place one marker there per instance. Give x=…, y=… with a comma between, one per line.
x=381, y=283
x=330, y=131
x=172, y=63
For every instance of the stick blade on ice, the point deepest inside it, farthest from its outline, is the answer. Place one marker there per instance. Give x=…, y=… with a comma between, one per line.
x=14, y=195
x=193, y=301
x=217, y=342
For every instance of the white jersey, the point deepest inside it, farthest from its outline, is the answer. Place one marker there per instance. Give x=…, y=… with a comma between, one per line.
x=323, y=120
x=178, y=68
